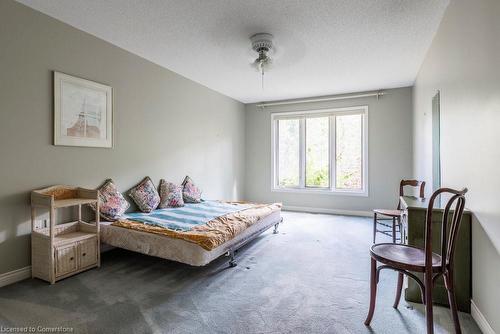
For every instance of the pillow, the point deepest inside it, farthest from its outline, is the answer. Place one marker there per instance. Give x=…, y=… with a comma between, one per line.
x=170, y=195
x=112, y=203
x=145, y=195
x=190, y=192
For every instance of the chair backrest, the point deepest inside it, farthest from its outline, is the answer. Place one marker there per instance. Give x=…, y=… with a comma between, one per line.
x=412, y=183
x=456, y=203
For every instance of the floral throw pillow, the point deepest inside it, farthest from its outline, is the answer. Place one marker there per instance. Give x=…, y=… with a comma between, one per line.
x=112, y=203
x=145, y=195
x=190, y=192
x=170, y=195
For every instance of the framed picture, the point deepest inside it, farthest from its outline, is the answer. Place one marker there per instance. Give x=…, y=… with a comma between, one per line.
x=83, y=112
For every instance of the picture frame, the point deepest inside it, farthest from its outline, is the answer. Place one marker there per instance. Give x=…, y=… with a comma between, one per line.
x=83, y=112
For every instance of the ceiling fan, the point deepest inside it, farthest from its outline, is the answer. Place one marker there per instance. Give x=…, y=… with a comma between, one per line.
x=262, y=43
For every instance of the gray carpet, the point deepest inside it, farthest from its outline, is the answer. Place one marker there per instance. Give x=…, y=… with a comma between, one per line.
x=312, y=277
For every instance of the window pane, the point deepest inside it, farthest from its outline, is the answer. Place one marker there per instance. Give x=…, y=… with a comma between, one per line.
x=289, y=151
x=349, y=151
x=317, y=152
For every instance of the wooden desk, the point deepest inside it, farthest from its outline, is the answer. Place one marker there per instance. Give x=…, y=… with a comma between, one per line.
x=413, y=227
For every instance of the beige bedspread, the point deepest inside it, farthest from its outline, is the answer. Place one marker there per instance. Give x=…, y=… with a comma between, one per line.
x=215, y=232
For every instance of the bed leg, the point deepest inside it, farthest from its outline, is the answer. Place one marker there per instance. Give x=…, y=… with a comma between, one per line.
x=232, y=260
x=276, y=226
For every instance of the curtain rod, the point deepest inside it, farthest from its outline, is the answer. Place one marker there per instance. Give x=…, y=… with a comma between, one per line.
x=323, y=99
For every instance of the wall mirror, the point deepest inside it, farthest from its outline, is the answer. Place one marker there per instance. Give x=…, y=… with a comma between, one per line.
x=436, y=141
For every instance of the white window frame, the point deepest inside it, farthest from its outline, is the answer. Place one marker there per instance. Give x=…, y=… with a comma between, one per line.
x=302, y=115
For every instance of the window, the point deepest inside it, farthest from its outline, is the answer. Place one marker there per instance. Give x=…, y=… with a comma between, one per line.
x=321, y=151
x=289, y=153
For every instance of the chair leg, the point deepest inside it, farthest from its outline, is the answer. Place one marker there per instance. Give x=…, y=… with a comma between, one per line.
x=428, y=305
x=373, y=291
x=398, y=290
x=374, y=226
x=393, y=230
x=448, y=279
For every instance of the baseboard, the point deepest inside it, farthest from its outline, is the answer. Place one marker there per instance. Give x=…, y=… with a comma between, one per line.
x=480, y=319
x=328, y=211
x=15, y=276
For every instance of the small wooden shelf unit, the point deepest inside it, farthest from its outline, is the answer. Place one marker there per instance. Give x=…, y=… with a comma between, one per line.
x=62, y=250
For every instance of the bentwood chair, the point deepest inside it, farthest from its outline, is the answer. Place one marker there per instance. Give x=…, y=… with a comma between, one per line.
x=394, y=215
x=408, y=260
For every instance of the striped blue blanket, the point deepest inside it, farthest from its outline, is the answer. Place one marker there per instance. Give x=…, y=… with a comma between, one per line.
x=186, y=217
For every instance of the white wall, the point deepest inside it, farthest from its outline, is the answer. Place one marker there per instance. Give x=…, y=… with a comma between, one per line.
x=464, y=63
x=390, y=153
x=166, y=126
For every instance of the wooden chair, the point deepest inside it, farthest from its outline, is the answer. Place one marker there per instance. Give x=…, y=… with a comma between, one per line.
x=408, y=259
x=394, y=215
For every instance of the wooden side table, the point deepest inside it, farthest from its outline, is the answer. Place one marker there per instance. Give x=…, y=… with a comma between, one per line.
x=62, y=250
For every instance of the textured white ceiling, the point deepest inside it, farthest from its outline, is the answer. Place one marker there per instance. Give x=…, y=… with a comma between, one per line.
x=323, y=46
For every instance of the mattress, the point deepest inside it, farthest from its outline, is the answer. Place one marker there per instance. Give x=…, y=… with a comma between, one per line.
x=176, y=249
x=208, y=234
x=188, y=216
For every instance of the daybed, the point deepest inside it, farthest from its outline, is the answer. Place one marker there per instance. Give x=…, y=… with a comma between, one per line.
x=163, y=233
